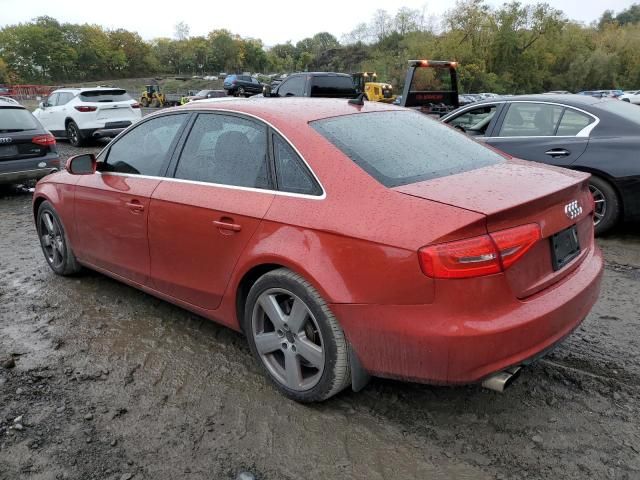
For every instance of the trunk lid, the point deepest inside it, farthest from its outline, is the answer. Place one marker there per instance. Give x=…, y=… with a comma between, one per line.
x=21, y=146
x=517, y=193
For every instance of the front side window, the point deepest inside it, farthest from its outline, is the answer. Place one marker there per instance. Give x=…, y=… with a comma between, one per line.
x=531, y=120
x=52, y=101
x=227, y=150
x=407, y=147
x=292, y=174
x=475, y=121
x=64, y=98
x=145, y=149
x=292, y=87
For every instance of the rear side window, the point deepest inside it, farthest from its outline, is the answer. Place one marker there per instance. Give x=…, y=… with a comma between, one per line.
x=292, y=174
x=330, y=86
x=573, y=122
x=531, y=120
x=402, y=147
x=292, y=87
x=227, y=150
x=115, y=95
x=17, y=120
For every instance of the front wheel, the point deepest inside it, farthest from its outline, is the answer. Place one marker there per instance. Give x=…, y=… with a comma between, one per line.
x=296, y=338
x=607, y=205
x=54, y=241
x=240, y=92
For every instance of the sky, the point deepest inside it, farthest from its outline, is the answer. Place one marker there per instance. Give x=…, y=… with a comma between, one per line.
x=272, y=21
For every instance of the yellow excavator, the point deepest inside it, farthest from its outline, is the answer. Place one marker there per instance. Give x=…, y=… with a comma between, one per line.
x=152, y=97
x=374, y=91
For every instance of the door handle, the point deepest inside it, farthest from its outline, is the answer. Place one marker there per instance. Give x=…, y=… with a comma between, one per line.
x=135, y=206
x=227, y=225
x=558, y=152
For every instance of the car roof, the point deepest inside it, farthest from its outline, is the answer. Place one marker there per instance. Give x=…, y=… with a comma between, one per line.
x=291, y=109
x=9, y=102
x=84, y=89
x=320, y=74
x=565, y=99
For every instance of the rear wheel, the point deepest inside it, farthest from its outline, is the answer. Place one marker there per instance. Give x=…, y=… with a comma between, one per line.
x=155, y=103
x=54, y=241
x=607, y=205
x=75, y=136
x=296, y=338
x=144, y=102
x=240, y=92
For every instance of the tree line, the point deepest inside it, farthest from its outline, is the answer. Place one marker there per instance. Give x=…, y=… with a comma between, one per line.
x=514, y=48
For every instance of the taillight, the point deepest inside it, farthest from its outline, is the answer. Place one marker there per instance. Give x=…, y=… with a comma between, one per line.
x=44, y=140
x=478, y=256
x=84, y=108
x=135, y=105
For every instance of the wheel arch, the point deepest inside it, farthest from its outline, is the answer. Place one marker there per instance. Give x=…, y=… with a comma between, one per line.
x=606, y=177
x=250, y=277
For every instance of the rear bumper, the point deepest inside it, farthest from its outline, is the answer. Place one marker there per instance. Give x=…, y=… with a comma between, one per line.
x=461, y=340
x=21, y=176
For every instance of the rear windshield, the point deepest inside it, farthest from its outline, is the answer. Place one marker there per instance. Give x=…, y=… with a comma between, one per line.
x=402, y=147
x=105, y=96
x=427, y=79
x=626, y=110
x=329, y=86
x=17, y=120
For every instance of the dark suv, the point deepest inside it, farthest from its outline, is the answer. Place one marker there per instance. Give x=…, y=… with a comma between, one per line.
x=314, y=84
x=242, y=85
x=27, y=150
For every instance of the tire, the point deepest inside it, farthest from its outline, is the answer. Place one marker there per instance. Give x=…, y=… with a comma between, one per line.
x=240, y=92
x=144, y=102
x=306, y=357
x=607, y=205
x=54, y=241
x=74, y=134
x=626, y=100
x=155, y=103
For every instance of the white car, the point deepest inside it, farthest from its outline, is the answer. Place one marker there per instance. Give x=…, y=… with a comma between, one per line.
x=631, y=96
x=82, y=114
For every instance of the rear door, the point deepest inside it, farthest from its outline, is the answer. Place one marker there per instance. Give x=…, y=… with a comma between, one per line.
x=45, y=115
x=201, y=221
x=543, y=132
x=112, y=206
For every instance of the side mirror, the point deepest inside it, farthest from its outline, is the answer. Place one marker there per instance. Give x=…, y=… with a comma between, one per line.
x=42, y=105
x=81, y=164
x=266, y=90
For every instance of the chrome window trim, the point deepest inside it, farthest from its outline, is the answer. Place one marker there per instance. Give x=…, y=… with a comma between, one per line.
x=584, y=133
x=237, y=187
x=220, y=185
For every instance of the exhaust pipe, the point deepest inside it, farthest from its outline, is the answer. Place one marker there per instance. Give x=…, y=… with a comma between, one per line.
x=501, y=380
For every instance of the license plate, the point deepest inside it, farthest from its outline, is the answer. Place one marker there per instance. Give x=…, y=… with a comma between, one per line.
x=565, y=246
x=8, y=151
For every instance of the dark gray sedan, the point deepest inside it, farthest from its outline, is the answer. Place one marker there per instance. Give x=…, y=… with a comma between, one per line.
x=599, y=136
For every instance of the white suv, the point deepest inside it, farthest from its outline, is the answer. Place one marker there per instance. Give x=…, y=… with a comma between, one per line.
x=81, y=114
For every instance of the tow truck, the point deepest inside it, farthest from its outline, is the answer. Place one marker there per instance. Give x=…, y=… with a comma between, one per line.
x=431, y=86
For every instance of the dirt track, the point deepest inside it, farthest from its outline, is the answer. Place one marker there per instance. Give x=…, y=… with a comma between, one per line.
x=114, y=384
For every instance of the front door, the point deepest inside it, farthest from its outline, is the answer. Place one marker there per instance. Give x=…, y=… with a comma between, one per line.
x=201, y=221
x=114, y=203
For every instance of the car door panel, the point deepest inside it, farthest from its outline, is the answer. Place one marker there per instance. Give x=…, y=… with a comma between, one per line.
x=559, y=151
x=197, y=232
x=113, y=232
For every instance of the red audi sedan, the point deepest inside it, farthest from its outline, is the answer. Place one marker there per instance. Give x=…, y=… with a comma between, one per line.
x=343, y=240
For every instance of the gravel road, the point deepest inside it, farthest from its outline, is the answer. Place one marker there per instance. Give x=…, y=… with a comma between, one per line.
x=101, y=381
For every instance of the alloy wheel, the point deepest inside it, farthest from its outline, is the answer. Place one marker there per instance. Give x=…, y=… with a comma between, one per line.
x=288, y=339
x=600, y=202
x=52, y=240
x=72, y=133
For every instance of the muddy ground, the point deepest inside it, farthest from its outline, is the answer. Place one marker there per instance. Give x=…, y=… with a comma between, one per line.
x=111, y=383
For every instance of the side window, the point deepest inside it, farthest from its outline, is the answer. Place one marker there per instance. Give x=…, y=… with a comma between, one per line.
x=292, y=87
x=144, y=150
x=531, y=120
x=572, y=122
x=64, y=98
x=291, y=173
x=226, y=149
x=475, y=121
x=52, y=101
